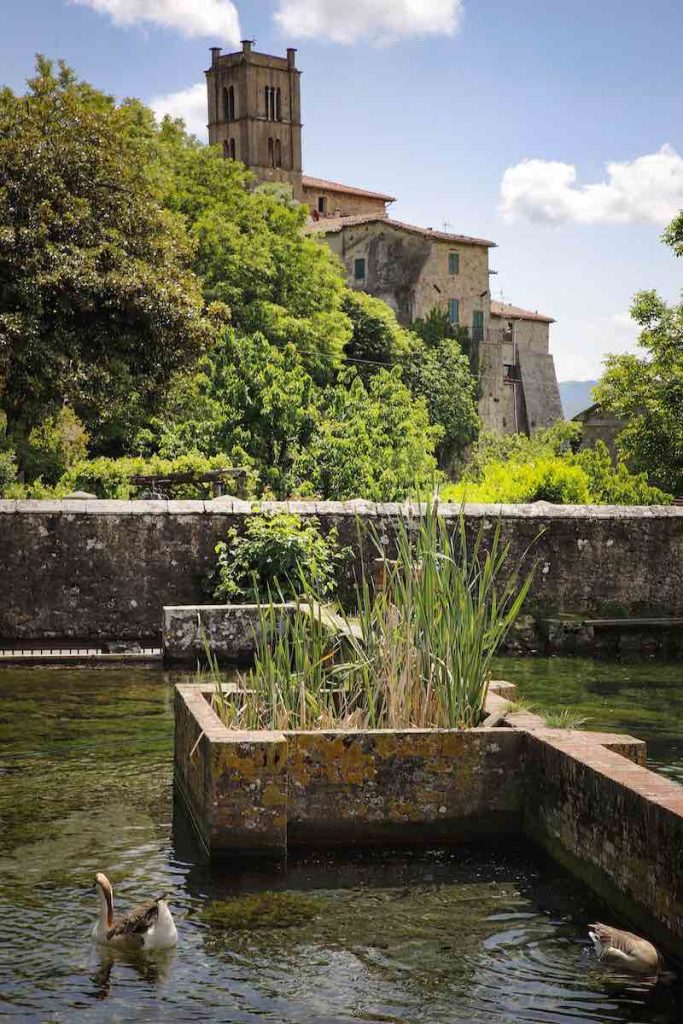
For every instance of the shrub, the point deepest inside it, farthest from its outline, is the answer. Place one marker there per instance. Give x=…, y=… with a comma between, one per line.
x=110, y=478
x=618, y=486
x=278, y=555
x=54, y=446
x=8, y=471
x=548, y=479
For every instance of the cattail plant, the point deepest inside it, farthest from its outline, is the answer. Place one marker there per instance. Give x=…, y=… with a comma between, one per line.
x=416, y=653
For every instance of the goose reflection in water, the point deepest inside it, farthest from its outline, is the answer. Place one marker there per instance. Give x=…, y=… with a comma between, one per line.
x=151, y=968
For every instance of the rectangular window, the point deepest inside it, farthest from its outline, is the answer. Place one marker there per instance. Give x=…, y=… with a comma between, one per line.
x=477, y=325
x=454, y=311
x=454, y=263
x=359, y=268
x=322, y=204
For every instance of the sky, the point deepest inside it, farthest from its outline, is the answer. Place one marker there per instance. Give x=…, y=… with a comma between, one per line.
x=552, y=127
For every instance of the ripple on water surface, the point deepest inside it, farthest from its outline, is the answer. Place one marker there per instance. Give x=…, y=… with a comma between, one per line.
x=436, y=937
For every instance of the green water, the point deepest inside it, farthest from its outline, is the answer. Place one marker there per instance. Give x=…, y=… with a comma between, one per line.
x=434, y=937
x=643, y=699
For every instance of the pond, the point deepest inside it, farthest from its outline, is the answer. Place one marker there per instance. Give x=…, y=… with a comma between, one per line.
x=457, y=936
x=644, y=699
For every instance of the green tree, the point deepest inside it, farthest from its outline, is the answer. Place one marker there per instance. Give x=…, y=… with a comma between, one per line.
x=56, y=444
x=648, y=391
x=251, y=253
x=441, y=375
x=377, y=339
x=98, y=305
x=372, y=440
x=248, y=399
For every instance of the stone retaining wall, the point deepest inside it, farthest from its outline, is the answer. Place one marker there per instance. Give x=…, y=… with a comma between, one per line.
x=585, y=797
x=103, y=570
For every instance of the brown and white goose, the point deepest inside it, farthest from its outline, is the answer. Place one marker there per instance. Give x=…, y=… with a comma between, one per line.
x=148, y=926
x=624, y=949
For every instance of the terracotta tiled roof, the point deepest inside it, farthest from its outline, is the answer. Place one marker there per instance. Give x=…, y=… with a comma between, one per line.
x=335, y=186
x=506, y=309
x=331, y=225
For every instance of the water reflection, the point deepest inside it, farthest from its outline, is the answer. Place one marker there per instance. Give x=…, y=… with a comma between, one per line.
x=491, y=935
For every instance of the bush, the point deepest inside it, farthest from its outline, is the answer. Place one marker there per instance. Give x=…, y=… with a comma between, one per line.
x=110, y=478
x=549, y=479
x=8, y=471
x=278, y=555
x=618, y=486
x=54, y=446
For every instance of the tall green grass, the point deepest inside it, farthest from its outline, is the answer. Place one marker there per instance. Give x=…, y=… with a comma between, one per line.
x=417, y=653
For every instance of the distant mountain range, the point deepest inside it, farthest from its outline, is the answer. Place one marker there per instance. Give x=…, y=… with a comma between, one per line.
x=576, y=396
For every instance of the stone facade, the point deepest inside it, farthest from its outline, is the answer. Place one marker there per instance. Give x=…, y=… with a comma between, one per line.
x=600, y=425
x=104, y=569
x=412, y=269
x=332, y=199
x=525, y=396
x=255, y=112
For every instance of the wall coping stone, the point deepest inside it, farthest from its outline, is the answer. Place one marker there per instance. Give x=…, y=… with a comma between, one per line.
x=537, y=510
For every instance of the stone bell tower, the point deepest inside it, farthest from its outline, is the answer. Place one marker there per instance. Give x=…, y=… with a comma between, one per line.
x=255, y=112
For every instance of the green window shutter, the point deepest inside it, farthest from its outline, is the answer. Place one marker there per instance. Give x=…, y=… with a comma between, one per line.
x=454, y=263
x=359, y=268
x=454, y=311
x=478, y=325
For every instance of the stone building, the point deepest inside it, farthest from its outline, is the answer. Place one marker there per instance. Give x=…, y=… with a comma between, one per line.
x=413, y=269
x=255, y=112
x=600, y=425
x=255, y=115
x=526, y=396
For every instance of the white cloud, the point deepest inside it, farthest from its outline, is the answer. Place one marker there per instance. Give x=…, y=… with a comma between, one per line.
x=377, y=21
x=190, y=104
x=217, y=18
x=647, y=189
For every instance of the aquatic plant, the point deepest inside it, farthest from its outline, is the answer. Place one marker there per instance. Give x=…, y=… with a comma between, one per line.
x=566, y=718
x=417, y=652
x=261, y=910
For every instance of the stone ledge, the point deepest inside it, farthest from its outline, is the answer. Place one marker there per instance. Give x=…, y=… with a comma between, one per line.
x=355, y=507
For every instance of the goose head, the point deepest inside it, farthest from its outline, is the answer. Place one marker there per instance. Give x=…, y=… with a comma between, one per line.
x=104, y=890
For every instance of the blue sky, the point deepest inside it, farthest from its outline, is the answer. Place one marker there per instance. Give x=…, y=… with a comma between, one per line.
x=497, y=118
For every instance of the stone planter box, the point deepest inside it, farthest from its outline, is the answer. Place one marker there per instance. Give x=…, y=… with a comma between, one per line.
x=230, y=630
x=585, y=797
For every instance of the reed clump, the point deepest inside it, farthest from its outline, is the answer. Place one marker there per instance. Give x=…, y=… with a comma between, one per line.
x=416, y=653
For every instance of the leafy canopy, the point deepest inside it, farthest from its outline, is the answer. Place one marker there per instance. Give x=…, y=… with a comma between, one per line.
x=98, y=305
x=648, y=391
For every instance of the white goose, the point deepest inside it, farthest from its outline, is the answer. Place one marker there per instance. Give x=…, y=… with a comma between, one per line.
x=148, y=926
x=624, y=949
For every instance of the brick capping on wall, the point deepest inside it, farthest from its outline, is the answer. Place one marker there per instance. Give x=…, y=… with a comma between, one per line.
x=89, y=569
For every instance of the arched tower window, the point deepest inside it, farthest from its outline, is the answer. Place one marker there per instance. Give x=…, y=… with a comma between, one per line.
x=233, y=150
x=229, y=103
x=273, y=103
x=229, y=149
x=271, y=153
x=278, y=153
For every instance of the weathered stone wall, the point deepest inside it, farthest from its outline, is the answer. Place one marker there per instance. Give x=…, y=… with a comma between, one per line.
x=613, y=822
x=261, y=792
x=104, y=569
x=402, y=786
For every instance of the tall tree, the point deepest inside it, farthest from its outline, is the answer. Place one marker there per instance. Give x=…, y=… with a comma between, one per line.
x=648, y=391
x=98, y=304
